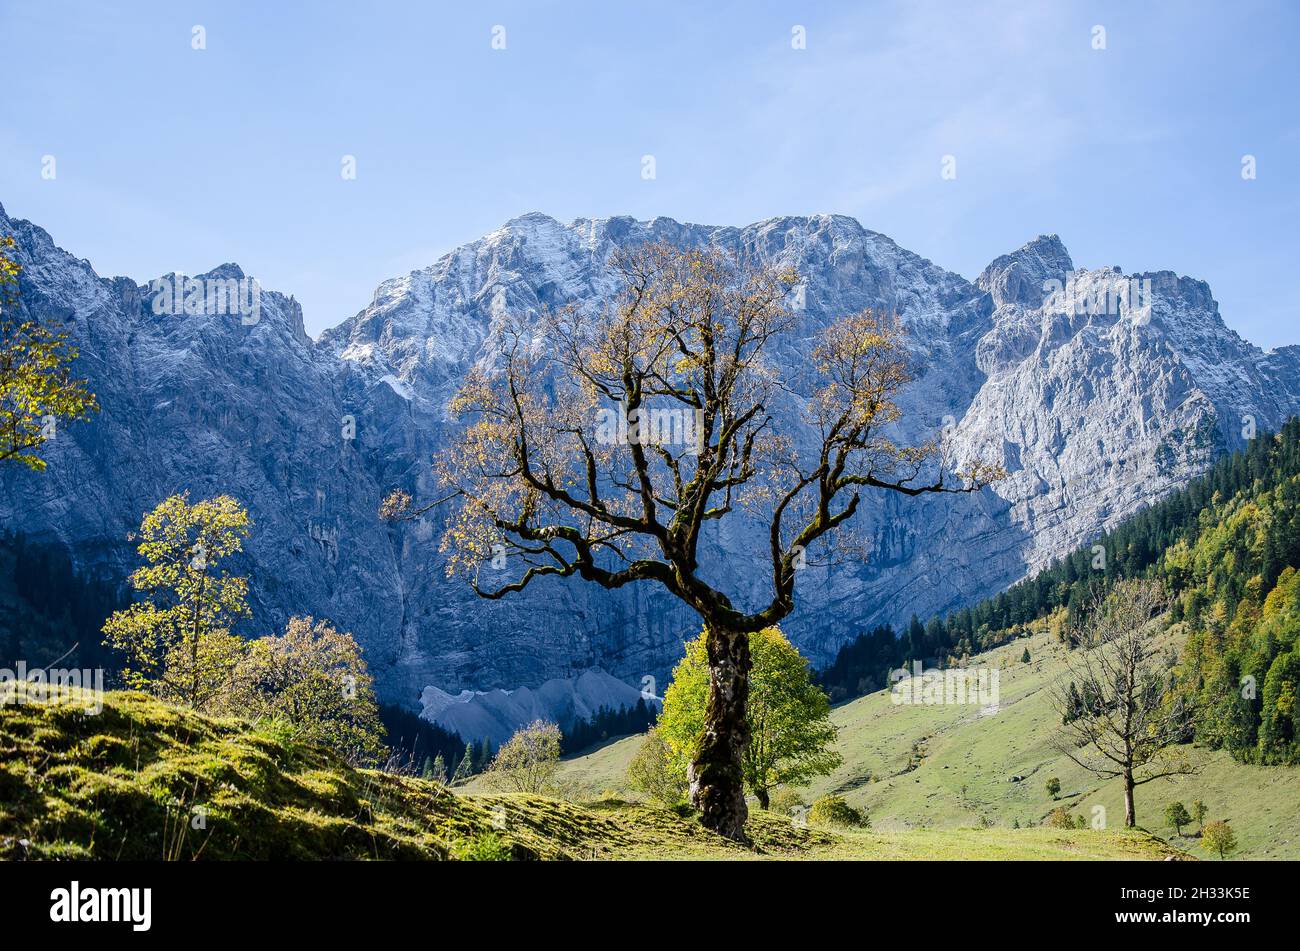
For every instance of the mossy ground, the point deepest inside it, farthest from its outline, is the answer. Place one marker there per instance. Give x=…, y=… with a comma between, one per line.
x=145, y=780
x=130, y=781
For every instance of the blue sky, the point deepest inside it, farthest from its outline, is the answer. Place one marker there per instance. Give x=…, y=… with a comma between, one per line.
x=169, y=157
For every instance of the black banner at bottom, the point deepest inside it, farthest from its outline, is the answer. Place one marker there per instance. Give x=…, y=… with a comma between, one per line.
x=136, y=901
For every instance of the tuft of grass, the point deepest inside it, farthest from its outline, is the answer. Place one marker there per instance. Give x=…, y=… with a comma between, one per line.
x=484, y=847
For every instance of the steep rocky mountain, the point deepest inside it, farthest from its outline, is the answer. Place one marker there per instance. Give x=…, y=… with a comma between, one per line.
x=1098, y=391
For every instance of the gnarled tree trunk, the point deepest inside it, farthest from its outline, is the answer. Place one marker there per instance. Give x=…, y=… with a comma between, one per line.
x=717, y=783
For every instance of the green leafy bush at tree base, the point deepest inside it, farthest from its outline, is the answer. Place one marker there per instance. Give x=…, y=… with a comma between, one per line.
x=657, y=772
x=791, y=734
x=832, y=810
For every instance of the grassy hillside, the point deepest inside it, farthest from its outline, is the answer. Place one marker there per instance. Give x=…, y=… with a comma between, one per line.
x=941, y=768
x=130, y=783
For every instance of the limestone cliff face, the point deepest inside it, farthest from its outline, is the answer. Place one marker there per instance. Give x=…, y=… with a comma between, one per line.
x=1097, y=391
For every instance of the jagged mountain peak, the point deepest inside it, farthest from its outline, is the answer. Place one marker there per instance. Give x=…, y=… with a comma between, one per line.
x=432, y=321
x=772, y=234
x=1021, y=277
x=226, y=271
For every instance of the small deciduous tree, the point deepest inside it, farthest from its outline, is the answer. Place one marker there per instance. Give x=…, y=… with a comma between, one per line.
x=314, y=678
x=527, y=762
x=1177, y=816
x=605, y=441
x=178, y=641
x=37, y=389
x=1133, y=722
x=790, y=730
x=657, y=772
x=1217, y=836
x=1199, y=811
x=1053, y=787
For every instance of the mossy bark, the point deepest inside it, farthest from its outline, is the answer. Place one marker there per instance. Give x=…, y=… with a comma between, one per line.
x=716, y=778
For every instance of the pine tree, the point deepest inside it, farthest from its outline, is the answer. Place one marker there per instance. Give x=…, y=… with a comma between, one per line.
x=465, y=769
x=915, y=639
x=438, y=771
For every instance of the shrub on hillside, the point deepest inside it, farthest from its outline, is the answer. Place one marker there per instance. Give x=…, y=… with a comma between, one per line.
x=314, y=679
x=1060, y=818
x=656, y=772
x=528, y=760
x=832, y=810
